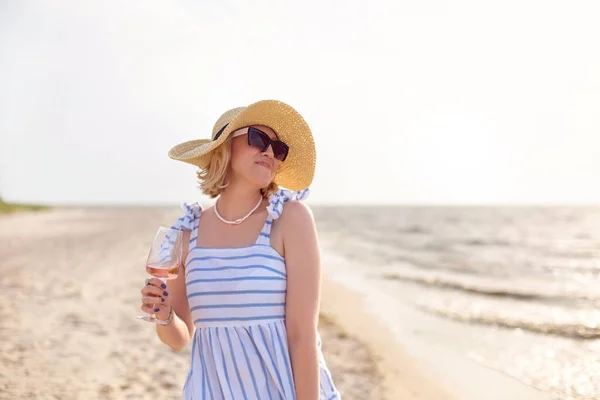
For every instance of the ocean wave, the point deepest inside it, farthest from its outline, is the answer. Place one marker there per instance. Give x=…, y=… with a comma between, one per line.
x=578, y=329
x=469, y=288
x=487, y=242
x=496, y=287
x=546, y=307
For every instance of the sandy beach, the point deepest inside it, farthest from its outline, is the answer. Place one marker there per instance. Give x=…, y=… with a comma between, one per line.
x=71, y=279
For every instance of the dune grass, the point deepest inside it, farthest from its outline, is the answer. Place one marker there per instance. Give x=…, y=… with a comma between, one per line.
x=6, y=208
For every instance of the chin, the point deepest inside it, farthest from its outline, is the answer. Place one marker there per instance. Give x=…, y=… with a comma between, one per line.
x=260, y=181
x=261, y=176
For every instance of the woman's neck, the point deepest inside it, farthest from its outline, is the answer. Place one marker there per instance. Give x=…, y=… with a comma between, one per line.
x=236, y=200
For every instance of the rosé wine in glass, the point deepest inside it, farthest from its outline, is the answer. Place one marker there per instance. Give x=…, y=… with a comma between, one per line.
x=163, y=269
x=164, y=260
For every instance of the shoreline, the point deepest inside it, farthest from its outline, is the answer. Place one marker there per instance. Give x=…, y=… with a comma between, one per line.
x=402, y=376
x=416, y=359
x=79, y=252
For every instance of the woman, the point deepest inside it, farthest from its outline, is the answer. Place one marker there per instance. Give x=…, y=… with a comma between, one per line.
x=248, y=297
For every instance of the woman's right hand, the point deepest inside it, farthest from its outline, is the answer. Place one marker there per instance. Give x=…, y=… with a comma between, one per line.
x=156, y=299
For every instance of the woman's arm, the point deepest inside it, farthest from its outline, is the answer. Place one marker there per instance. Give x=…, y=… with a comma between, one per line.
x=181, y=329
x=303, y=265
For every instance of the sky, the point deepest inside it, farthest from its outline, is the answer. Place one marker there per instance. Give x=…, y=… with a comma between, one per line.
x=429, y=102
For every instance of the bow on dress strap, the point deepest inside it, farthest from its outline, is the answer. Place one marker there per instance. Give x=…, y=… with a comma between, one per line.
x=277, y=199
x=191, y=212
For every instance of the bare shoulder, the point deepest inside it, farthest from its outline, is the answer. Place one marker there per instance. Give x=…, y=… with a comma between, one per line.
x=297, y=217
x=296, y=211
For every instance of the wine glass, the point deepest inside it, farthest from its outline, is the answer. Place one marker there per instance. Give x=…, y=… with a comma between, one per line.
x=164, y=260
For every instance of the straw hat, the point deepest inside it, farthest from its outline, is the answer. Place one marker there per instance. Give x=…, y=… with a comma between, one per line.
x=295, y=173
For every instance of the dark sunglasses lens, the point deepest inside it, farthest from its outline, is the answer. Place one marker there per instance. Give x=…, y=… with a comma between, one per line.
x=258, y=139
x=280, y=150
x=261, y=141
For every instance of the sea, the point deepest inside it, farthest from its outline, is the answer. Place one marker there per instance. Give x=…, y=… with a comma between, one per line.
x=515, y=289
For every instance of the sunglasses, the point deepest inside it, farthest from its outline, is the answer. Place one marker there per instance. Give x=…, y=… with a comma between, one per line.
x=261, y=141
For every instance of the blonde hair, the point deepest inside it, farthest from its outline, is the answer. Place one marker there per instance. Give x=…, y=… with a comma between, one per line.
x=213, y=179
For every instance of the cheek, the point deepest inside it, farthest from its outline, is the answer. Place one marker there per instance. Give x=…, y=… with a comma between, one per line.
x=242, y=155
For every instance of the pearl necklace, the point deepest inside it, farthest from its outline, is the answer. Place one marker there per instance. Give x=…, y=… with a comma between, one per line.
x=239, y=220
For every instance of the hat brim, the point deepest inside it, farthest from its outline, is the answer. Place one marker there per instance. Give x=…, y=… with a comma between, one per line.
x=295, y=173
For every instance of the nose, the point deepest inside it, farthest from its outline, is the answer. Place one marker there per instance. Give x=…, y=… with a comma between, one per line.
x=269, y=151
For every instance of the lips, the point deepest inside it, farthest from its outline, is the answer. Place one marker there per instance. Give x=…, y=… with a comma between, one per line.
x=264, y=164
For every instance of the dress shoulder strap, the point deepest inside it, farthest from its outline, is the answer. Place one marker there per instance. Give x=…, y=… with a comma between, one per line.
x=264, y=236
x=282, y=196
x=189, y=221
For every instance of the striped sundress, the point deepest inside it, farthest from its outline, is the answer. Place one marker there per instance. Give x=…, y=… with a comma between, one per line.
x=237, y=301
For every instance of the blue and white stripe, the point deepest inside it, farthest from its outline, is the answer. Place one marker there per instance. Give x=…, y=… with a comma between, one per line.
x=279, y=198
x=237, y=301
